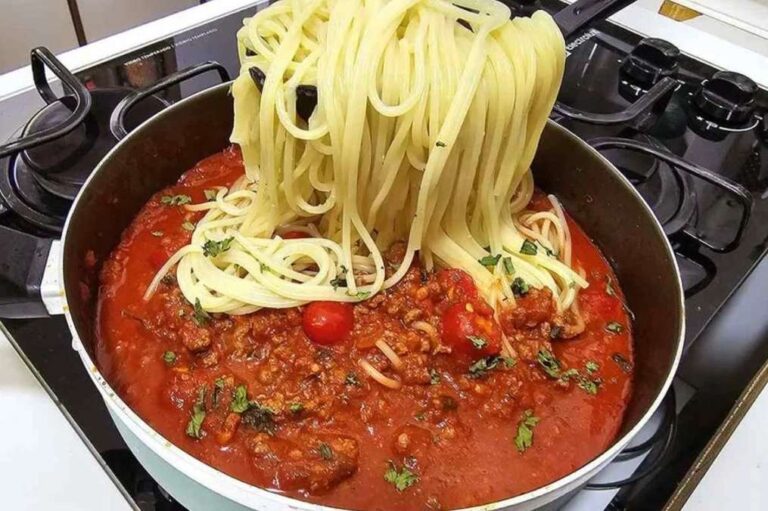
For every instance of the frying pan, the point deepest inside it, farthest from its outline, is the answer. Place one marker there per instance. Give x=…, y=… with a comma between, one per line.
x=155, y=154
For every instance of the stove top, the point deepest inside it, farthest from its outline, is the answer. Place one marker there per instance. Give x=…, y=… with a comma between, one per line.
x=692, y=139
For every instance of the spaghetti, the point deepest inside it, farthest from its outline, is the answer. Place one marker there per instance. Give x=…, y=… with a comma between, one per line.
x=427, y=119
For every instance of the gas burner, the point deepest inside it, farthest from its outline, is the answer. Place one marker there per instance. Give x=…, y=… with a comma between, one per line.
x=668, y=192
x=62, y=165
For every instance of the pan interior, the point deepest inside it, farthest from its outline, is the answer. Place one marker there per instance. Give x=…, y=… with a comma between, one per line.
x=593, y=192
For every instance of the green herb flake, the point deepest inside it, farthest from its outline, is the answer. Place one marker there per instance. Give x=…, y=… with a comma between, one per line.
x=434, y=377
x=591, y=366
x=440, y=144
x=614, y=327
x=175, y=200
x=239, y=402
x=588, y=385
x=340, y=280
x=200, y=316
x=490, y=260
x=351, y=379
x=529, y=248
x=213, y=248
x=195, y=424
x=509, y=268
x=509, y=362
x=157, y=234
x=169, y=357
x=188, y=226
x=362, y=294
x=478, y=342
x=480, y=367
x=210, y=194
x=400, y=479
x=609, y=286
x=555, y=332
x=325, y=451
x=259, y=417
x=549, y=363
x=524, y=437
x=421, y=416
x=296, y=408
x=218, y=386
x=519, y=287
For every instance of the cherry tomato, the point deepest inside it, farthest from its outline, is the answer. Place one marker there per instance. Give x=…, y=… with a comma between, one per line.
x=457, y=284
x=327, y=322
x=294, y=235
x=467, y=331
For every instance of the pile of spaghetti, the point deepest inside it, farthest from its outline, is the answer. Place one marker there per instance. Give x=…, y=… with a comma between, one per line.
x=427, y=117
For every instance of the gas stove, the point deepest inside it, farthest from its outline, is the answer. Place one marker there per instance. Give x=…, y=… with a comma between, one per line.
x=692, y=139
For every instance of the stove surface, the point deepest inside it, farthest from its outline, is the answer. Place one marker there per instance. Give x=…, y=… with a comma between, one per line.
x=660, y=116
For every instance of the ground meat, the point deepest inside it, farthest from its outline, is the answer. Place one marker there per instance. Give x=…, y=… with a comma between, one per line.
x=319, y=465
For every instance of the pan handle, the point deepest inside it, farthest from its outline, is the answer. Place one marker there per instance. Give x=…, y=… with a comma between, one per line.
x=583, y=12
x=41, y=58
x=117, y=119
x=29, y=281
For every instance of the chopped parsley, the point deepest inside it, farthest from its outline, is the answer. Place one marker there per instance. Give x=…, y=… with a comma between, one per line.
x=609, y=286
x=351, y=379
x=585, y=383
x=400, y=479
x=549, y=363
x=480, y=367
x=175, y=200
x=157, y=234
x=421, y=416
x=478, y=342
x=509, y=362
x=325, y=451
x=490, y=260
x=239, y=402
x=213, y=248
x=509, y=268
x=555, y=332
x=624, y=364
x=218, y=386
x=591, y=366
x=200, y=317
x=519, y=287
x=260, y=417
x=528, y=248
x=195, y=424
x=440, y=144
x=434, y=377
x=588, y=385
x=361, y=294
x=614, y=327
x=188, y=226
x=524, y=437
x=296, y=408
x=340, y=280
x=169, y=357
x=210, y=194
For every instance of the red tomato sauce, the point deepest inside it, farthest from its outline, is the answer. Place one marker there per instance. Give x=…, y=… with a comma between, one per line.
x=256, y=398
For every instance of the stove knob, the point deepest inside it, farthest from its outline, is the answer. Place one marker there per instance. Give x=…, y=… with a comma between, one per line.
x=727, y=98
x=650, y=61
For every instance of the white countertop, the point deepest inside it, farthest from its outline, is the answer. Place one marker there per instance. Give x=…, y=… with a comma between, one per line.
x=44, y=464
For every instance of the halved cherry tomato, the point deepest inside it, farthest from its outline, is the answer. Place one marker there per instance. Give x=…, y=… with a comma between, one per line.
x=294, y=235
x=327, y=322
x=467, y=331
